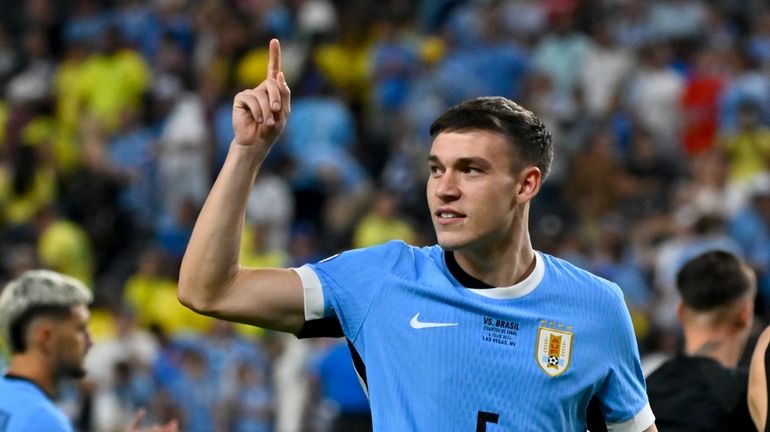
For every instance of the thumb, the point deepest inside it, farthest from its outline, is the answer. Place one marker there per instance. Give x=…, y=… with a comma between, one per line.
x=136, y=420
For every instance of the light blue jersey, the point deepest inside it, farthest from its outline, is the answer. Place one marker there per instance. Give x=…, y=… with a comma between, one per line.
x=24, y=407
x=442, y=357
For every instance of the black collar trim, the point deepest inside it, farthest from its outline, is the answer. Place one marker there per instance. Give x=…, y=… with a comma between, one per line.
x=461, y=275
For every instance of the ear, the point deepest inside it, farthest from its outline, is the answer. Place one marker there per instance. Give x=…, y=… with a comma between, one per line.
x=41, y=334
x=680, y=312
x=745, y=316
x=529, y=180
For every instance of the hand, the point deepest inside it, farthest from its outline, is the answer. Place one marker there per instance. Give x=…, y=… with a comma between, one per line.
x=260, y=114
x=171, y=426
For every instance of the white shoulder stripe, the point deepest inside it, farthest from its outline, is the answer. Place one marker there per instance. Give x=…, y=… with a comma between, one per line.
x=314, y=296
x=641, y=421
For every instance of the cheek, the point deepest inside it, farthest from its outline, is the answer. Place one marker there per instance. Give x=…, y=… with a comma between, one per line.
x=71, y=343
x=495, y=200
x=498, y=211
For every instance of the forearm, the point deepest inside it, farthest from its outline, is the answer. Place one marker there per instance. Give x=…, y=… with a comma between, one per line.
x=211, y=262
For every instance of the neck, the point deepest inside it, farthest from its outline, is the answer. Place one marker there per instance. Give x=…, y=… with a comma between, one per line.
x=718, y=344
x=33, y=367
x=504, y=263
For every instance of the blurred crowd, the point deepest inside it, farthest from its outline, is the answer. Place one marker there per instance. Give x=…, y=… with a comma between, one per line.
x=115, y=119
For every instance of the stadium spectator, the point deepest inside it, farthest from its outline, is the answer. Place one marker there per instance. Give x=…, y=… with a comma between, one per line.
x=748, y=148
x=249, y=405
x=750, y=227
x=382, y=223
x=700, y=101
x=484, y=292
x=703, y=388
x=341, y=404
x=613, y=62
x=118, y=366
x=655, y=94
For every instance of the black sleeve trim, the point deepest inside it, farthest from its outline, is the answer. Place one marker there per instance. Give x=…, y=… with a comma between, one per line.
x=594, y=418
x=358, y=364
x=323, y=327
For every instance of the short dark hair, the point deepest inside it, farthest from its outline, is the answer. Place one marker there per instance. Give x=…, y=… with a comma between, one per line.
x=18, y=327
x=712, y=280
x=523, y=129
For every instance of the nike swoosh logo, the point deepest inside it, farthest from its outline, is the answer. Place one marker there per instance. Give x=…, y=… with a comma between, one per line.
x=417, y=324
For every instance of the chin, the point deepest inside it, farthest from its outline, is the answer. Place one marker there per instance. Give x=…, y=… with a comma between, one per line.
x=73, y=371
x=450, y=244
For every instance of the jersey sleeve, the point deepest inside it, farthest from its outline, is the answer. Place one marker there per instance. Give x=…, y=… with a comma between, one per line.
x=345, y=285
x=623, y=396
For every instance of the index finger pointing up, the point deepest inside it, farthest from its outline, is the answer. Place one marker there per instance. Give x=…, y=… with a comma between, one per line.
x=274, y=59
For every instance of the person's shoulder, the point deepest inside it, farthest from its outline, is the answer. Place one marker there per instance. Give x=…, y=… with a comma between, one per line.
x=49, y=418
x=678, y=377
x=387, y=256
x=394, y=248
x=697, y=393
x=31, y=408
x=683, y=370
x=675, y=366
x=20, y=392
x=564, y=271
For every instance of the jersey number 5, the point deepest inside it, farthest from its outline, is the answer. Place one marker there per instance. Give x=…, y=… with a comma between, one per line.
x=483, y=418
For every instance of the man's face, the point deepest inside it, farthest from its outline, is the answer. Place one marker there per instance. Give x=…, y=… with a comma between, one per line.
x=70, y=343
x=471, y=189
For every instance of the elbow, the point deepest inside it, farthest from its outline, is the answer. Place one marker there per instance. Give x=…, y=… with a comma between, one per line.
x=202, y=287
x=195, y=289
x=187, y=294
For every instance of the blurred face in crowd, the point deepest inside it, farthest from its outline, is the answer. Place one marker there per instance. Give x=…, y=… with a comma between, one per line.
x=472, y=189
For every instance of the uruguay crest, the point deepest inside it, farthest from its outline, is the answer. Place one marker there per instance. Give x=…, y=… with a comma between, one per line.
x=554, y=348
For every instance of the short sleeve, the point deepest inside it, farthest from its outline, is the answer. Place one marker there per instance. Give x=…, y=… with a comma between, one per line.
x=622, y=395
x=345, y=285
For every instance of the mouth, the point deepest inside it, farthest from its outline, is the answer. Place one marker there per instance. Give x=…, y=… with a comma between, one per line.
x=445, y=217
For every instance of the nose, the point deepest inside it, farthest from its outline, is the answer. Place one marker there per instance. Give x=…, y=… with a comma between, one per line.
x=446, y=187
x=89, y=340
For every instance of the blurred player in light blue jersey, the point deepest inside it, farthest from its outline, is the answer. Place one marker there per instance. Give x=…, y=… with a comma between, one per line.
x=44, y=317
x=478, y=333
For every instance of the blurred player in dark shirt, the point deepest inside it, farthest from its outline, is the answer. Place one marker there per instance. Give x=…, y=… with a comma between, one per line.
x=703, y=389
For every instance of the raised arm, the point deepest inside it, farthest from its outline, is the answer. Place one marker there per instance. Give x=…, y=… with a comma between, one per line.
x=758, y=382
x=211, y=280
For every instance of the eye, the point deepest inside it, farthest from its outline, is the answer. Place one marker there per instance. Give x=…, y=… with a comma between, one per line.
x=434, y=170
x=472, y=170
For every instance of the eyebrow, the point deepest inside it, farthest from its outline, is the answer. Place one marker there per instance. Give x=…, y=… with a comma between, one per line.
x=464, y=161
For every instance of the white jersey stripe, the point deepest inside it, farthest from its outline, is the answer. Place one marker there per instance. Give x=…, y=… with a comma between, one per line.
x=314, y=296
x=641, y=421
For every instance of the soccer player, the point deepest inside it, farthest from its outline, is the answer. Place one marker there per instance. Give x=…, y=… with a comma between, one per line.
x=480, y=332
x=703, y=389
x=44, y=316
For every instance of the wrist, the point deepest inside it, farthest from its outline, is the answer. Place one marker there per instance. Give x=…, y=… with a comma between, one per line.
x=251, y=151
